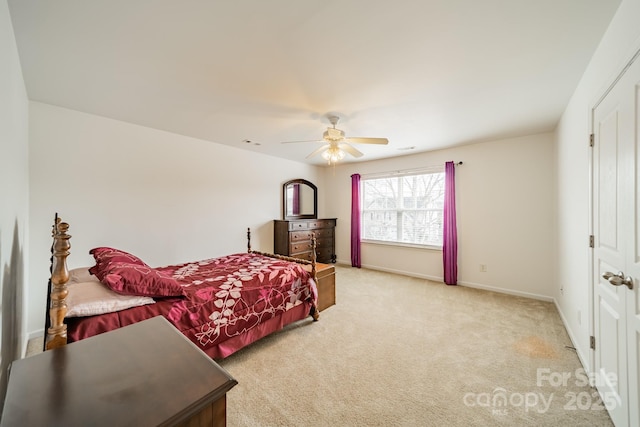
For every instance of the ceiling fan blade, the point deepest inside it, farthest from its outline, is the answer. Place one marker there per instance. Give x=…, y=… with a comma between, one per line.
x=362, y=140
x=295, y=142
x=318, y=151
x=349, y=149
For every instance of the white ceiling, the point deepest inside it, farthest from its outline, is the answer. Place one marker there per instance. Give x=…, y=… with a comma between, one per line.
x=423, y=73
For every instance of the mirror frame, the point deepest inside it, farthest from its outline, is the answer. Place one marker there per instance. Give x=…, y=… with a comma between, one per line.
x=315, y=200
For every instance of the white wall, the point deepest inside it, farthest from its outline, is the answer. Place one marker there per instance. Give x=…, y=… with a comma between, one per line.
x=164, y=197
x=14, y=196
x=621, y=38
x=505, y=214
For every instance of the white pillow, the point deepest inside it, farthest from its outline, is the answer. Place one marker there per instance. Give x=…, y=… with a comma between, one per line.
x=92, y=297
x=81, y=274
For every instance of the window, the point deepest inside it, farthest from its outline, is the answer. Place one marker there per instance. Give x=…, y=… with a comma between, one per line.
x=405, y=208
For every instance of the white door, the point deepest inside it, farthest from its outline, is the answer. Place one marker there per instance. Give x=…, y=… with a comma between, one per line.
x=633, y=256
x=616, y=266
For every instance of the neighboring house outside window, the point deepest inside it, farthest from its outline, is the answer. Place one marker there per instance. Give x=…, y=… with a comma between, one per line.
x=403, y=208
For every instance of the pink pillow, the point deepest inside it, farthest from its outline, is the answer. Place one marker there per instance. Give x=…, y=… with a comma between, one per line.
x=105, y=256
x=132, y=279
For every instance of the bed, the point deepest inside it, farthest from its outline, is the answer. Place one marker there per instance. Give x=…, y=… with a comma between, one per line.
x=221, y=304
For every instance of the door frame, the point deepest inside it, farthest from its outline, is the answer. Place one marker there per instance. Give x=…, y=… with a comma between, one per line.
x=629, y=59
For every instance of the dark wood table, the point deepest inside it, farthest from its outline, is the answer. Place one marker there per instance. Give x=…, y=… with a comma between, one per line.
x=146, y=374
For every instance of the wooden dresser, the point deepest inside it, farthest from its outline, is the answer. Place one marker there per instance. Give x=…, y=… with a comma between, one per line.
x=293, y=238
x=145, y=374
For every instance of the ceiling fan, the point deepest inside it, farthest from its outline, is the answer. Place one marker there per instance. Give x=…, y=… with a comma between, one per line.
x=336, y=144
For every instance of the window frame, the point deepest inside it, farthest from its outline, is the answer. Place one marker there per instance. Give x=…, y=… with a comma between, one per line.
x=399, y=175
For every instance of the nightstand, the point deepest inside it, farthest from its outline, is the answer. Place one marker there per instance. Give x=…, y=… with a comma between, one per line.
x=326, y=285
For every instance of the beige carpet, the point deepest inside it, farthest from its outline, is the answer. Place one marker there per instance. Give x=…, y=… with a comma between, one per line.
x=400, y=351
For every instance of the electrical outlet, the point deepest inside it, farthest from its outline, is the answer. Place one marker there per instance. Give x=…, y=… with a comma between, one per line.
x=483, y=268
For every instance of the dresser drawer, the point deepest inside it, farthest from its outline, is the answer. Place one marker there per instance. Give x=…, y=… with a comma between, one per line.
x=322, y=233
x=327, y=242
x=324, y=253
x=321, y=223
x=301, y=246
x=303, y=255
x=311, y=224
x=298, y=225
x=296, y=236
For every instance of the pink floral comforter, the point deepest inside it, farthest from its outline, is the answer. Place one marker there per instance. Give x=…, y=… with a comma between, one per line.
x=230, y=295
x=227, y=302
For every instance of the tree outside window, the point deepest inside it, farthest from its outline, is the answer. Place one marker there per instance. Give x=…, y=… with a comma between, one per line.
x=405, y=209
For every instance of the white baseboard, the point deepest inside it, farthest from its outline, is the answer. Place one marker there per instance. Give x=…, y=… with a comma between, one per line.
x=391, y=270
x=36, y=334
x=403, y=273
x=581, y=356
x=460, y=283
x=23, y=351
x=506, y=291
x=31, y=335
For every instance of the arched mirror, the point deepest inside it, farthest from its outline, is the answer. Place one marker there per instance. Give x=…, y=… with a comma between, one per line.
x=300, y=199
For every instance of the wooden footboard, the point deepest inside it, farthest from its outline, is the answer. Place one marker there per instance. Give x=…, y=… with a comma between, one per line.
x=315, y=313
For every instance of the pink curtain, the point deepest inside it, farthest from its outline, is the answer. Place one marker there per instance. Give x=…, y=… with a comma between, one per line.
x=355, y=220
x=450, y=233
x=296, y=199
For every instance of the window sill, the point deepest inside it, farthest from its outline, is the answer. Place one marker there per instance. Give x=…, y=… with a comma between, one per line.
x=404, y=245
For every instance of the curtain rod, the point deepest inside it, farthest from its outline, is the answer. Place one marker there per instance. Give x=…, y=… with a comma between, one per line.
x=431, y=168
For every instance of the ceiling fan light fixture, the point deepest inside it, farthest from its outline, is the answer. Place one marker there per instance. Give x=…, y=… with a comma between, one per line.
x=333, y=155
x=332, y=134
x=337, y=146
